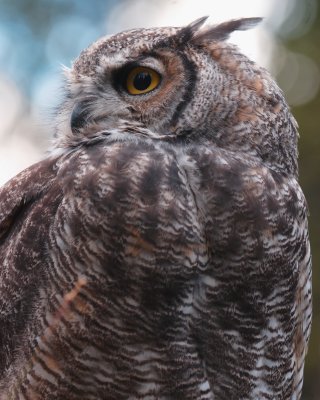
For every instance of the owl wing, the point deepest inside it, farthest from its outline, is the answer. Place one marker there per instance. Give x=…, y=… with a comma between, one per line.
x=140, y=270
x=104, y=259
x=21, y=192
x=257, y=291
x=22, y=232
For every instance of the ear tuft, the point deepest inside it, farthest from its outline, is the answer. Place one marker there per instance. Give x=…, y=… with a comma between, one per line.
x=187, y=32
x=222, y=31
x=194, y=26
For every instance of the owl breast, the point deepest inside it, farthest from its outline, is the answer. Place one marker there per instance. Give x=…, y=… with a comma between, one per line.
x=167, y=272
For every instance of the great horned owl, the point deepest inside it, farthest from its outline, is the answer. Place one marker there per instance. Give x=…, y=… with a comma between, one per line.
x=161, y=250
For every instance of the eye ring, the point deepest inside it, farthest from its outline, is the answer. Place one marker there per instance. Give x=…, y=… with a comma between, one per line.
x=141, y=80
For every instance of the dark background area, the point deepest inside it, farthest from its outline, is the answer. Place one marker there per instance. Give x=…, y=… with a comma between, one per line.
x=308, y=117
x=36, y=37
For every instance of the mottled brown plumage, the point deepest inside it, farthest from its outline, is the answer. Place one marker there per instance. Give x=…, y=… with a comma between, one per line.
x=161, y=250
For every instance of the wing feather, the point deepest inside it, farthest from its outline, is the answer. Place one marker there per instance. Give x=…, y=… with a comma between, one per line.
x=164, y=271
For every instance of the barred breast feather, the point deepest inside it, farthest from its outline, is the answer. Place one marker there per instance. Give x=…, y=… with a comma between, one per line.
x=132, y=269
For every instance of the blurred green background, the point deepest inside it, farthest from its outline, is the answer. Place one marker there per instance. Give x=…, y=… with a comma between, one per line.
x=37, y=36
x=308, y=117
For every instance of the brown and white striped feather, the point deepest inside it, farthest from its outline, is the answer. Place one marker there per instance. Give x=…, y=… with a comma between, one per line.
x=156, y=273
x=161, y=250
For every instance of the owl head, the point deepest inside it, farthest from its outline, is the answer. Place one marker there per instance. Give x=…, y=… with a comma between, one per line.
x=184, y=85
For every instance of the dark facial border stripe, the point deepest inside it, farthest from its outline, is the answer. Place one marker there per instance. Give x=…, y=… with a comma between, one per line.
x=191, y=77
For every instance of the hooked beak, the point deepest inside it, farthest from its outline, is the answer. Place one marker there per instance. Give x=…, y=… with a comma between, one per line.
x=79, y=117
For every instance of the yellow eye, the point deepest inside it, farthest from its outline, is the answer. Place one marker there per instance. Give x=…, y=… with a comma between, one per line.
x=142, y=80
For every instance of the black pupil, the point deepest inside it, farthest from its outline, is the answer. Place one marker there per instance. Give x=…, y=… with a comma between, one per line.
x=142, y=81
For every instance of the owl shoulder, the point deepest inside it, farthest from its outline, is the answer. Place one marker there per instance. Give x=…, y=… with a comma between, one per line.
x=22, y=191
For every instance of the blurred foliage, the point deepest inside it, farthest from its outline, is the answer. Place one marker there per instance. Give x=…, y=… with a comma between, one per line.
x=308, y=117
x=27, y=26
